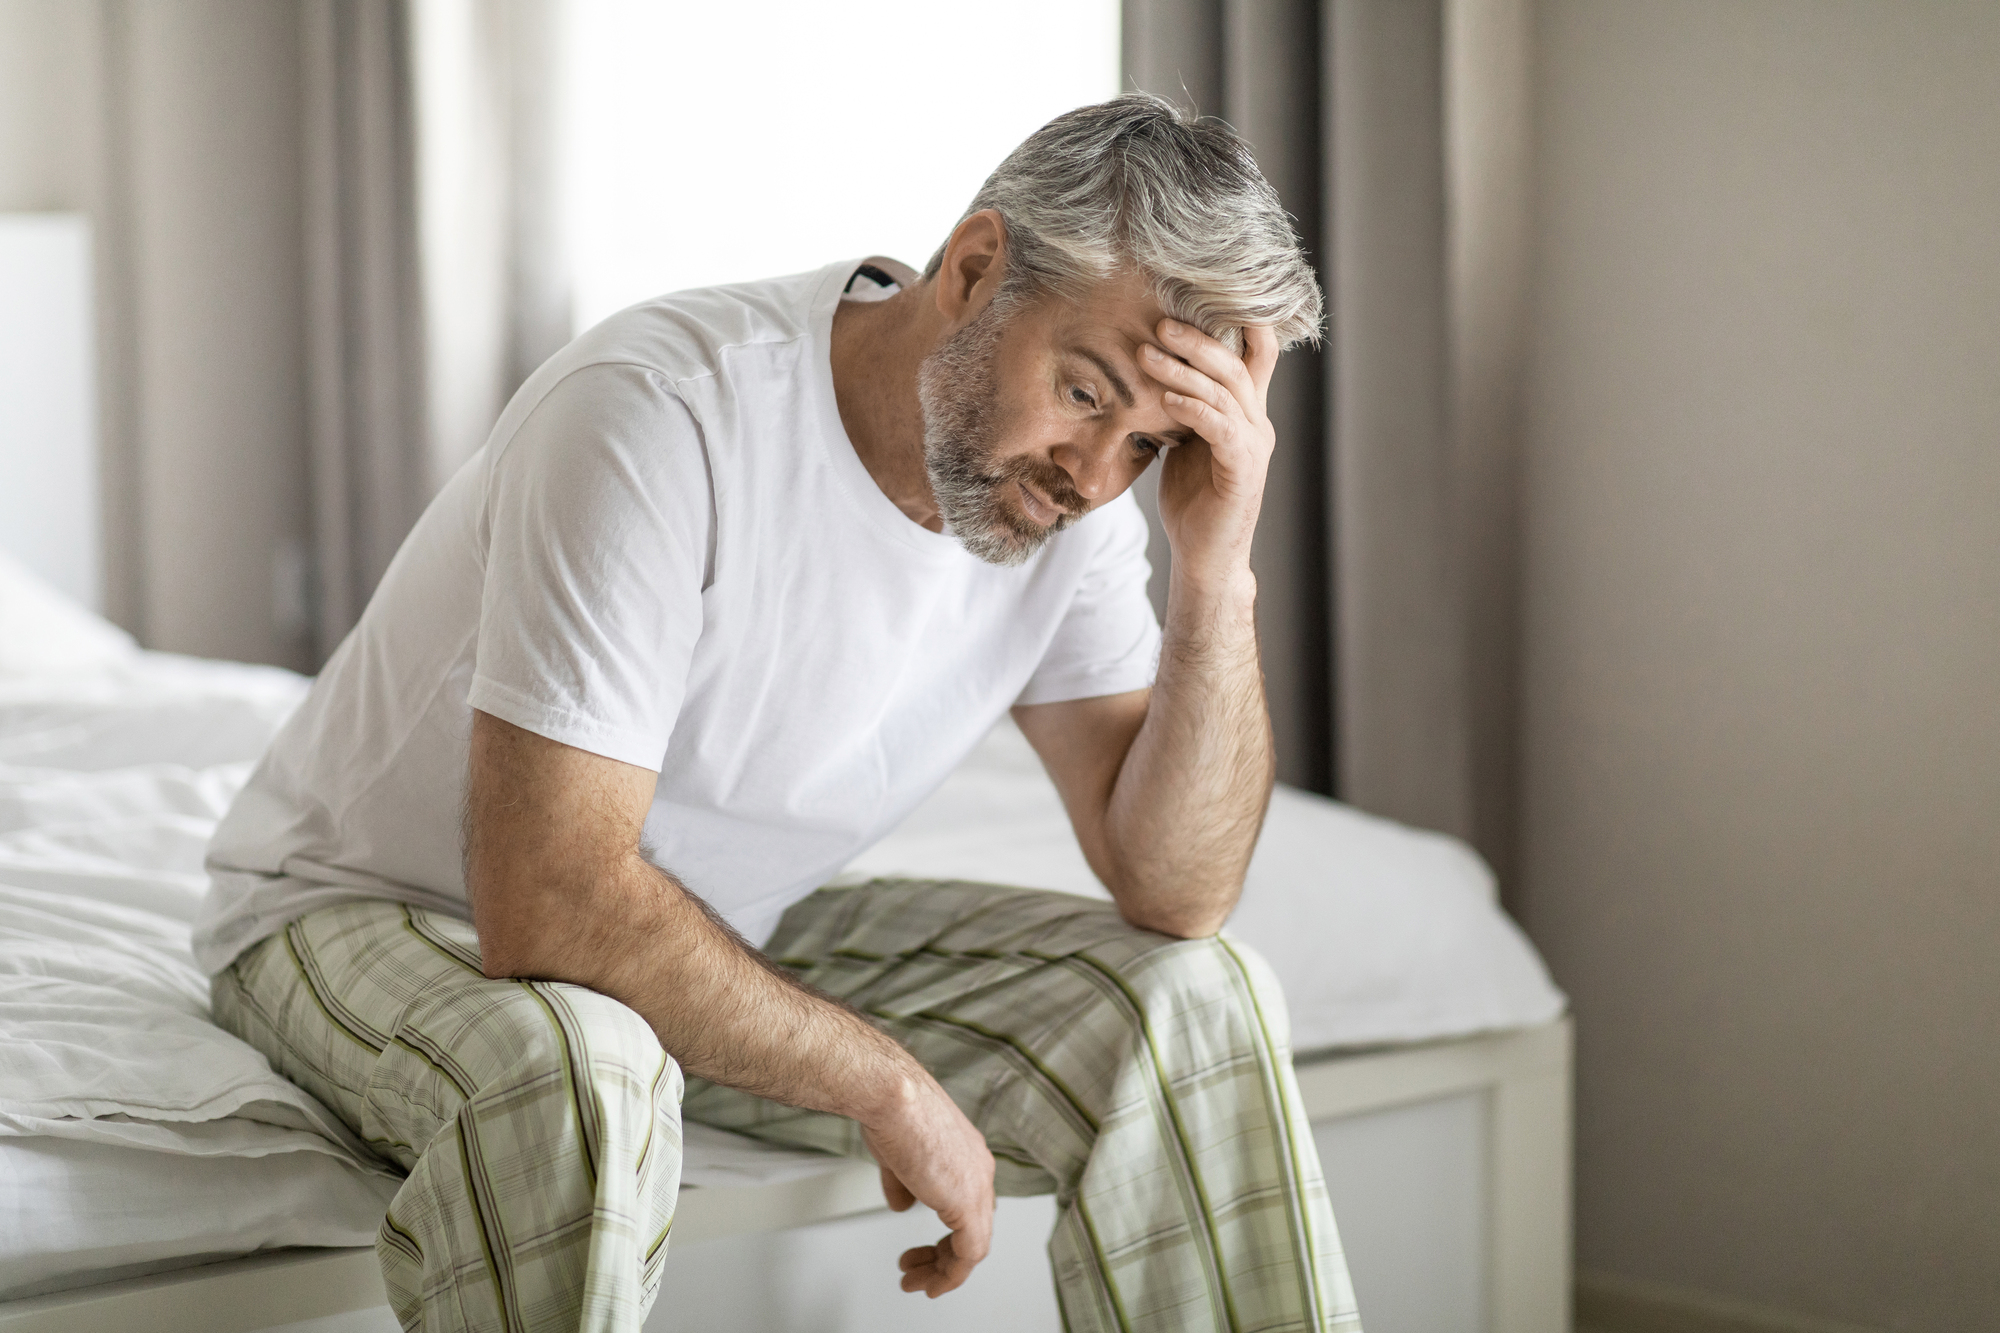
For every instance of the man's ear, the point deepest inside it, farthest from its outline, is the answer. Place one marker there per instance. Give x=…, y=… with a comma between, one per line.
x=974, y=259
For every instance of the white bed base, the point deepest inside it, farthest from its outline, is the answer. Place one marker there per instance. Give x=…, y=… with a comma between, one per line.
x=1522, y=1077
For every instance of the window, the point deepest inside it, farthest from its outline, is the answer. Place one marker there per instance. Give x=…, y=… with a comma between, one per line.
x=716, y=142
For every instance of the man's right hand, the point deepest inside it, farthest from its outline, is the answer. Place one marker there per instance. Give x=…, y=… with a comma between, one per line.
x=560, y=891
x=931, y=1154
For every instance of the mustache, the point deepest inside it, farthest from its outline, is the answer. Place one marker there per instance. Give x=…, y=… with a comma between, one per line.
x=1050, y=481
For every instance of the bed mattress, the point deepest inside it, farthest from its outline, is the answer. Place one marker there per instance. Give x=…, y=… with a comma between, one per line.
x=135, y=1135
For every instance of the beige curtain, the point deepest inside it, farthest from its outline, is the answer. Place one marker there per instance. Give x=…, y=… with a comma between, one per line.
x=434, y=281
x=496, y=294
x=1396, y=131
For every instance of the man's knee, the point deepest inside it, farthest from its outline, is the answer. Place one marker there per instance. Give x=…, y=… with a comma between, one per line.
x=1212, y=981
x=515, y=1037
x=599, y=1041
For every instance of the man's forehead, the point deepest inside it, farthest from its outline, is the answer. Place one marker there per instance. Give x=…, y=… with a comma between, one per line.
x=1107, y=329
x=1121, y=311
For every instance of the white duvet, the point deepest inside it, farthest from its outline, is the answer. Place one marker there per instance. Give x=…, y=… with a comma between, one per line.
x=110, y=782
x=134, y=1133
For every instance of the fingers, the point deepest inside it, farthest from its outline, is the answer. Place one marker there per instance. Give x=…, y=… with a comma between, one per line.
x=1180, y=377
x=972, y=1237
x=931, y=1154
x=919, y=1266
x=1201, y=418
x=934, y=1269
x=896, y=1192
x=1214, y=360
x=1219, y=396
x=937, y=1269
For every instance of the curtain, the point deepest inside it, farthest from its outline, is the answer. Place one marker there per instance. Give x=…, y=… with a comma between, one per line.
x=363, y=336
x=496, y=293
x=1396, y=132
x=1258, y=68
x=433, y=273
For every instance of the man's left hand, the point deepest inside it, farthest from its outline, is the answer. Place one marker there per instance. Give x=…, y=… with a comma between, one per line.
x=1211, y=490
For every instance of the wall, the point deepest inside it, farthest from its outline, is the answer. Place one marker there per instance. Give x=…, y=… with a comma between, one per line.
x=1762, y=662
x=174, y=125
x=47, y=86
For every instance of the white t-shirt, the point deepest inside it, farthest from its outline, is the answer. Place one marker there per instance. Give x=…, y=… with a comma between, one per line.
x=669, y=553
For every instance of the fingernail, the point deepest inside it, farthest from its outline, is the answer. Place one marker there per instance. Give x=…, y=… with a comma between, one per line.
x=1152, y=353
x=1173, y=398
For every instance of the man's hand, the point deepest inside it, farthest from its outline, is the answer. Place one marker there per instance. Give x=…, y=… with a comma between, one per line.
x=931, y=1154
x=1212, y=491
x=560, y=892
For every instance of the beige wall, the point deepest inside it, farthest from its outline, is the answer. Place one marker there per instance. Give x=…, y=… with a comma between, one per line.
x=1762, y=735
x=47, y=84
x=174, y=124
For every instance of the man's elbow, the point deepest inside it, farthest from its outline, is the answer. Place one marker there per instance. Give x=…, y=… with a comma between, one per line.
x=503, y=956
x=1193, y=908
x=496, y=964
x=1182, y=921
x=515, y=939
x=1192, y=929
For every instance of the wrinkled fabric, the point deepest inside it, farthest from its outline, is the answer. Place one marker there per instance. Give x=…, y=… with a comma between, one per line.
x=1144, y=1080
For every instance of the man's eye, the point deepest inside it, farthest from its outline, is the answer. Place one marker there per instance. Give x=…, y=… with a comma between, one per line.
x=1082, y=397
x=1146, y=445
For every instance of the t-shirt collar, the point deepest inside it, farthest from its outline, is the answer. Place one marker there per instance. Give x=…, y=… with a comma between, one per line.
x=879, y=510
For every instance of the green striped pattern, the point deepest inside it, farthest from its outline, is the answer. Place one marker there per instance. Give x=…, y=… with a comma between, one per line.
x=1144, y=1080
x=540, y=1123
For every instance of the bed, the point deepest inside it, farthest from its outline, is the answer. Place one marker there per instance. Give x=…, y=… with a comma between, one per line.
x=158, y=1175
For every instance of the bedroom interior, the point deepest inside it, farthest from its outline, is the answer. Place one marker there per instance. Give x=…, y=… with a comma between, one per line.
x=1637, y=528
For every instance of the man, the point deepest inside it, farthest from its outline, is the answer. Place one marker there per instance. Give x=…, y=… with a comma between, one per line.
x=739, y=577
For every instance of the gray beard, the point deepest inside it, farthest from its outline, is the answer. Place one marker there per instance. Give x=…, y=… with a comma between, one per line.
x=958, y=390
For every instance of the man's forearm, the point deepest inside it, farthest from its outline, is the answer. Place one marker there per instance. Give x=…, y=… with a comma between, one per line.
x=718, y=1007
x=1190, y=797
x=560, y=892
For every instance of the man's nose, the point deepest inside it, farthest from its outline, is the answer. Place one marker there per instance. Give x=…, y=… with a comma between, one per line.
x=1091, y=463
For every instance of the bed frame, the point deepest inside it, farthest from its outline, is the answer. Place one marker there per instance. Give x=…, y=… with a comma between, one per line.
x=1524, y=1075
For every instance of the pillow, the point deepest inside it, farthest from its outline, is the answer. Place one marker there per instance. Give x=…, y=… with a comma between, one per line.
x=43, y=631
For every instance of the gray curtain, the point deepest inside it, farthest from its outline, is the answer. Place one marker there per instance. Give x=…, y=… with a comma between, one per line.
x=364, y=330
x=1396, y=131
x=434, y=281
x=1258, y=68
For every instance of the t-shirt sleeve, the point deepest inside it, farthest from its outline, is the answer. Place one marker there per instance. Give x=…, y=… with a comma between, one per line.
x=1109, y=639
x=599, y=526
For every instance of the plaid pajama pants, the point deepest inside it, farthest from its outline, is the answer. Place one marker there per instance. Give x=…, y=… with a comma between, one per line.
x=1145, y=1081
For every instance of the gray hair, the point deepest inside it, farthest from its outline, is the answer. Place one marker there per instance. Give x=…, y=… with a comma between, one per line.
x=1137, y=182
